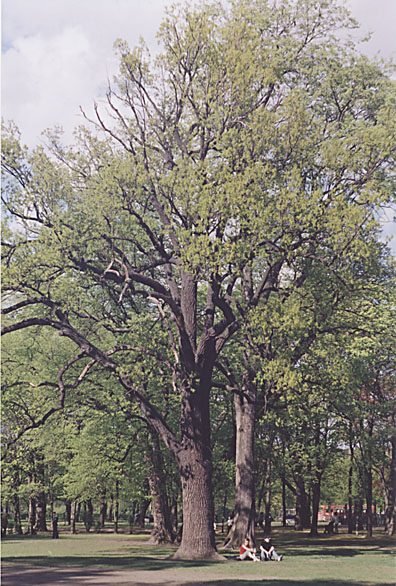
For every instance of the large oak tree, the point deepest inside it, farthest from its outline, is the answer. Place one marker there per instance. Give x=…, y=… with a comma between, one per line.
x=255, y=143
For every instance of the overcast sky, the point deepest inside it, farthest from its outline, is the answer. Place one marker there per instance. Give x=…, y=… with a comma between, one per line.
x=58, y=54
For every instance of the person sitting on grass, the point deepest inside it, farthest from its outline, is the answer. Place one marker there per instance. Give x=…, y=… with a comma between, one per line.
x=267, y=551
x=246, y=552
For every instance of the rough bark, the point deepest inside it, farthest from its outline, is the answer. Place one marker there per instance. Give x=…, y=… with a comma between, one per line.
x=195, y=465
x=162, y=529
x=244, y=510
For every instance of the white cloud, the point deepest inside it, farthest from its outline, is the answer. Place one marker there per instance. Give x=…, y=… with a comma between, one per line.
x=48, y=77
x=379, y=18
x=58, y=56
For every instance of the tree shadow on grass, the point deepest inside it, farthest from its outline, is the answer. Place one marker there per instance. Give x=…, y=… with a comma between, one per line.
x=333, y=552
x=31, y=576
x=124, y=562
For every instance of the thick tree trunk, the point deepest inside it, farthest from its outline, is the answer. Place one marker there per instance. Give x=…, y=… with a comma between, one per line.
x=198, y=541
x=162, y=529
x=244, y=511
x=195, y=465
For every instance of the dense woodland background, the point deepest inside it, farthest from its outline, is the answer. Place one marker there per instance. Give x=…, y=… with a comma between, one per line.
x=198, y=302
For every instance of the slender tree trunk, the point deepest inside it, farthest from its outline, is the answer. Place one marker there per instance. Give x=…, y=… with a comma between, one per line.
x=89, y=515
x=284, y=507
x=68, y=512
x=162, y=529
x=4, y=520
x=73, y=509
x=41, y=508
x=16, y=503
x=350, y=500
x=103, y=509
x=116, y=506
x=31, y=510
x=110, y=511
x=267, y=498
x=369, y=502
x=78, y=512
x=391, y=492
x=17, y=515
x=358, y=515
x=143, y=506
x=224, y=512
x=173, y=512
x=41, y=500
x=244, y=509
x=315, y=505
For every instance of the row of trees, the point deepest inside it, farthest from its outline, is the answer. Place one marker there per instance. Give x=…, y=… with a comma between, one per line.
x=97, y=456
x=209, y=255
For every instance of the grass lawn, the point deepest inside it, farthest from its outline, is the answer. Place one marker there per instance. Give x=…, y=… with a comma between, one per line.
x=324, y=561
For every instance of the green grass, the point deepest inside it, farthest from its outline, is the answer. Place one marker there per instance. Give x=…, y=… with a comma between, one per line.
x=335, y=560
